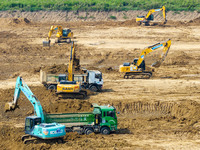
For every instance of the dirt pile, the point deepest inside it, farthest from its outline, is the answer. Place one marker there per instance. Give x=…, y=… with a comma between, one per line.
x=180, y=58
x=14, y=21
x=194, y=22
x=49, y=100
x=163, y=117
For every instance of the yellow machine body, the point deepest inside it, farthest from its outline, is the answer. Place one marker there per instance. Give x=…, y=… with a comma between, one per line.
x=137, y=68
x=149, y=17
x=63, y=35
x=68, y=88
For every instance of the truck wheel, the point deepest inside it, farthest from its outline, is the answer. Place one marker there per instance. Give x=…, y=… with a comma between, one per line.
x=88, y=131
x=52, y=87
x=105, y=131
x=93, y=88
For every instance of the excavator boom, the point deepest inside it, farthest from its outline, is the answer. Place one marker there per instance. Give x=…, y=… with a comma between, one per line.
x=154, y=47
x=22, y=86
x=71, y=60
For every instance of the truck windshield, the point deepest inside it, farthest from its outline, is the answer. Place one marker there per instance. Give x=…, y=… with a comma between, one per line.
x=98, y=76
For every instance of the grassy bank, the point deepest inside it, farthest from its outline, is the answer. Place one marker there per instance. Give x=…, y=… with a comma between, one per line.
x=98, y=5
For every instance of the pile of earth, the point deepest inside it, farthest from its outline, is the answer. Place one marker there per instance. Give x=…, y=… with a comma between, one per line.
x=14, y=21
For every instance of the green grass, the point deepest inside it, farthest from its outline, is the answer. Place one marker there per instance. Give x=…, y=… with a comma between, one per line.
x=98, y=5
x=113, y=17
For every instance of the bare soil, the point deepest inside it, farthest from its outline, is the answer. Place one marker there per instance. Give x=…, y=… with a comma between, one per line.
x=159, y=113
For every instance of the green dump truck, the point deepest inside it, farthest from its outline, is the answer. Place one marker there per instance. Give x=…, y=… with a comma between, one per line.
x=103, y=119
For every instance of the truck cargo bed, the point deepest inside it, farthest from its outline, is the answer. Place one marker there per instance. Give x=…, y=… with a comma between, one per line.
x=71, y=119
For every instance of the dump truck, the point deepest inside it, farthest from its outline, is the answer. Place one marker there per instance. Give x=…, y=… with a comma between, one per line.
x=91, y=79
x=42, y=125
x=103, y=119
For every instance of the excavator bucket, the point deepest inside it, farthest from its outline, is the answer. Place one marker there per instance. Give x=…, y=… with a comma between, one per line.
x=9, y=106
x=46, y=43
x=156, y=64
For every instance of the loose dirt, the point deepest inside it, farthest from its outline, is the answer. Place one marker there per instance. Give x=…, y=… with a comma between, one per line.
x=158, y=113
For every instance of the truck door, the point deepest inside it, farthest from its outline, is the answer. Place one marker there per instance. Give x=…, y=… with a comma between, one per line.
x=97, y=119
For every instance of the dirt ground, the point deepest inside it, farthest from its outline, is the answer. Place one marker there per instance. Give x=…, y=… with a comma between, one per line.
x=158, y=113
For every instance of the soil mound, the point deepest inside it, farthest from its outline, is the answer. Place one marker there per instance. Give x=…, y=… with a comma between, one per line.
x=181, y=58
x=195, y=21
x=14, y=21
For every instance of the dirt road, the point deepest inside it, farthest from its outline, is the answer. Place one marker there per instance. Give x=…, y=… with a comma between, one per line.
x=158, y=113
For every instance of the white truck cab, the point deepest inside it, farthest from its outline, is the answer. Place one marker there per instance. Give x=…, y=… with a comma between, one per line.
x=95, y=80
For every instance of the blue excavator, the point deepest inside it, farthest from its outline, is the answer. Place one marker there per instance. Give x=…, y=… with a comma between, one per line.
x=35, y=126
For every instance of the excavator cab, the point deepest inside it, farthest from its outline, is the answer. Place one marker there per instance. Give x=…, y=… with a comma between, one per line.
x=66, y=32
x=30, y=122
x=142, y=65
x=62, y=77
x=151, y=17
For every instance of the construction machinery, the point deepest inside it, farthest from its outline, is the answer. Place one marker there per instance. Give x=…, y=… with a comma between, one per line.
x=103, y=119
x=69, y=86
x=137, y=69
x=35, y=126
x=42, y=125
x=90, y=79
x=149, y=17
x=63, y=35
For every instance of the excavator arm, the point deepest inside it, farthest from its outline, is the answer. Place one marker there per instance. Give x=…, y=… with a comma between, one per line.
x=166, y=44
x=52, y=29
x=155, y=10
x=22, y=86
x=71, y=61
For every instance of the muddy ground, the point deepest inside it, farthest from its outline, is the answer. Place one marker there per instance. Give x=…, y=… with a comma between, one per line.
x=158, y=113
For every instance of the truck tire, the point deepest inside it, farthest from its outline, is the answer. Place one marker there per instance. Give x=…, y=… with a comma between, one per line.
x=51, y=87
x=105, y=131
x=88, y=131
x=93, y=88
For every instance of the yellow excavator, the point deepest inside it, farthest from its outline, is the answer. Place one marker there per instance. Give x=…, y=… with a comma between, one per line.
x=137, y=68
x=149, y=17
x=69, y=86
x=63, y=35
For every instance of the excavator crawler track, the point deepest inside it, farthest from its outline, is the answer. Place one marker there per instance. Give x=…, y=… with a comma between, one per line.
x=81, y=95
x=138, y=75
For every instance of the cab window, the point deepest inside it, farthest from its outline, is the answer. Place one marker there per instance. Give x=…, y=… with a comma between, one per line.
x=111, y=114
x=37, y=121
x=27, y=125
x=98, y=76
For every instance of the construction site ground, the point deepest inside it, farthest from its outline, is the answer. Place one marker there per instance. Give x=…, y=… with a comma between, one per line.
x=158, y=113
